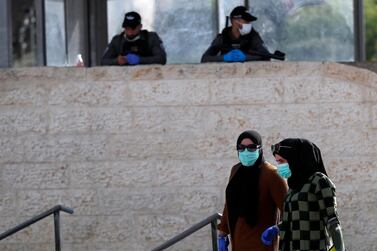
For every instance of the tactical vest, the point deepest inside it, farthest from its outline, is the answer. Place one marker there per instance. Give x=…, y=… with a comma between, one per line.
x=139, y=47
x=244, y=43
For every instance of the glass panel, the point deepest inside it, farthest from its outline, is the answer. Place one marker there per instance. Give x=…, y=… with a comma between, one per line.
x=24, y=35
x=225, y=7
x=186, y=27
x=307, y=29
x=56, y=54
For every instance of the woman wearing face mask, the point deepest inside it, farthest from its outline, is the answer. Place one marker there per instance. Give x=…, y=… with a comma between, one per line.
x=310, y=213
x=254, y=196
x=238, y=42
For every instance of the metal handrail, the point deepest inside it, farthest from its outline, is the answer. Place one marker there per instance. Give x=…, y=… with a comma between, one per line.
x=209, y=220
x=55, y=210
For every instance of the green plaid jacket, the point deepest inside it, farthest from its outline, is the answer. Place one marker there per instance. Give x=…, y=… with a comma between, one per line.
x=307, y=214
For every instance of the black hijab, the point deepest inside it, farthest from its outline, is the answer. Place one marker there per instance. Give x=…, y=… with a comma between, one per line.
x=242, y=190
x=304, y=159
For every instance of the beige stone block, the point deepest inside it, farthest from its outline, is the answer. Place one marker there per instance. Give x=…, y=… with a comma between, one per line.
x=11, y=149
x=89, y=94
x=272, y=69
x=129, y=245
x=169, y=119
x=358, y=222
x=374, y=116
x=17, y=121
x=11, y=247
x=108, y=73
x=149, y=227
x=36, y=73
x=165, y=146
x=83, y=202
x=98, y=229
x=204, y=71
x=37, y=246
x=8, y=202
x=193, y=173
x=335, y=90
x=65, y=120
x=147, y=73
x=302, y=89
x=169, y=92
x=112, y=174
x=360, y=242
x=111, y=120
x=350, y=73
x=343, y=170
x=258, y=117
x=35, y=176
x=40, y=232
x=78, y=120
x=351, y=115
x=200, y=200
x=65, y=148
x=245, y=91
x=117, y=201
x=19, y=94
x=347, y=142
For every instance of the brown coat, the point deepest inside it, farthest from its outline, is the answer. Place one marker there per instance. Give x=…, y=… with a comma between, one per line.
x=272, y=191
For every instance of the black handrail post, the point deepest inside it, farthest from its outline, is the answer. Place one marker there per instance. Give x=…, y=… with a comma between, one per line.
x=209, y=220
x=57, y=230
x=214, y=234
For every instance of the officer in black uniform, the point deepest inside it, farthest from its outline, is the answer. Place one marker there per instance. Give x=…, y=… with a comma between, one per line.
x=238, y=43
x=134, y=46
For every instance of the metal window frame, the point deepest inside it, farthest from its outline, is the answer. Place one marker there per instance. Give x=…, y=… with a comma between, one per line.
x=359, y=30
x=39, y=6
x=6, y=36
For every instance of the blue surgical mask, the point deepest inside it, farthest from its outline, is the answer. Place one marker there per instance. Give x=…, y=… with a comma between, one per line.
x=248, y=158
x=284, y=170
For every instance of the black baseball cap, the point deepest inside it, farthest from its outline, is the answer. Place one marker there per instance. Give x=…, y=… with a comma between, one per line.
x=242, y=12
x=131, y=19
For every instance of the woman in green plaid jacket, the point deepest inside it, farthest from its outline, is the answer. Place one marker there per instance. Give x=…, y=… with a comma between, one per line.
x=310, y=219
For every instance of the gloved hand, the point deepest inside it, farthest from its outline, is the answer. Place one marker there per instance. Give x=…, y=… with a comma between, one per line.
x=133, y=59
x=234, y=56
x=269, y=235
x=222, y=243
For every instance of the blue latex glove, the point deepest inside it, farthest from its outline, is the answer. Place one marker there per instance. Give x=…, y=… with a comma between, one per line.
x=269, y=235
x=133, y=59
x=234, y=56
x=222, y=243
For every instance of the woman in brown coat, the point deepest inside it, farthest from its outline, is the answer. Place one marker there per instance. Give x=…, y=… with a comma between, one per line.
x=254, y=195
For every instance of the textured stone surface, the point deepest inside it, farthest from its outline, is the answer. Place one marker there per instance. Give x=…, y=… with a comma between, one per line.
x=142, y=153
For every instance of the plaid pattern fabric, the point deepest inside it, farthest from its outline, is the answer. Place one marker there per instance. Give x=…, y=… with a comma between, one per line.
x=307, y=213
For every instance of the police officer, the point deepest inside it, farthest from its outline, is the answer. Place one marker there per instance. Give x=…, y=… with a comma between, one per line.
x=238, y=43
x=134, y=46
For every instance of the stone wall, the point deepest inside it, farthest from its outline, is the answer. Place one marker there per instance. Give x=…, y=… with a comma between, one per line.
x=142, y=153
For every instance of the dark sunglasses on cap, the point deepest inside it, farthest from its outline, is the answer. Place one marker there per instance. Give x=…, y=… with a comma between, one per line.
x=276, y=148
x=250, y=148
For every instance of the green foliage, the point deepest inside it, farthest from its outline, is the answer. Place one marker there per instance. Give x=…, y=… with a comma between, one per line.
x=317, y=32
x=370, y=13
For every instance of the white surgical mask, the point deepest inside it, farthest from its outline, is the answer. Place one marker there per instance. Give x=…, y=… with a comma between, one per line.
x=246, y=28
